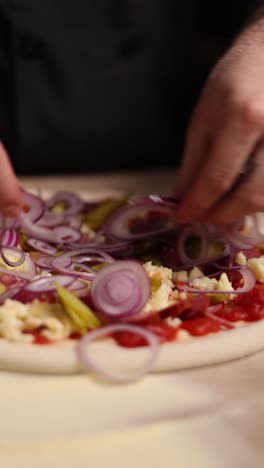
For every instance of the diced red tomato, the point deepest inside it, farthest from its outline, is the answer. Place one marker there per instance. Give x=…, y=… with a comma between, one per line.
x=11, y=280
x=201, y=326
x=233, y=313
x=177, y=309
x=131, y=340
x=256, y=295
x=190, y=308
x=248, y=307
x=39, y=339
x=253, y=252
x=27, y=296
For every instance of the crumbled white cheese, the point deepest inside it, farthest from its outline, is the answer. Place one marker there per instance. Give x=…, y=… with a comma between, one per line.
x=165, y=295
x=241, y=259
x=180, y=276
x=204, y=283
x=12, y=316
x=195, y=273
x=174, y=322
x=16, y=317
x=184, y=335
x=224, y=284
x=85, y=229
x=257, y=266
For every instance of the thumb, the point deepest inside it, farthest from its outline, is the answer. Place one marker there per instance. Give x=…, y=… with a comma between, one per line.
x=10, y=195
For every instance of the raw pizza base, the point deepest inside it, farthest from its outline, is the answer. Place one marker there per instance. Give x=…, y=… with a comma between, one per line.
x=61, y=358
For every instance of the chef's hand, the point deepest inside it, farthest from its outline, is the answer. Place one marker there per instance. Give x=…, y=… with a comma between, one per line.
x=222, y=174
x=10, y=196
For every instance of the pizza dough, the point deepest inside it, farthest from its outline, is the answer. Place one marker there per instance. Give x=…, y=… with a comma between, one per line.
x=61, y=358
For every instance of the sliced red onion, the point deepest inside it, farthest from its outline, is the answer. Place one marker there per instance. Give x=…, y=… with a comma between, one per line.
x=66, y=266
x=66, y=234
x=88, y=254
x=59, y=235
x=48, y=283
x=71, y=201
x=34, y=204
x=28, y=266
x=241, y=242
x=44, y=263
x=73, y=205
x=114, y=248
x=9, y=253
x=33, y=230
x=42, y=246
x=211, y=312
x=89, y=363
x=50, y=219
x=9, y=293
x=199, y=231
x=249, y=283
x=77, y=285
x=10, y=238
x=120, y=224
x=121, y=289
x=75, y=222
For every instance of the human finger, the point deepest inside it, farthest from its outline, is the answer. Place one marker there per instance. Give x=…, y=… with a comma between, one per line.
x=10, y=195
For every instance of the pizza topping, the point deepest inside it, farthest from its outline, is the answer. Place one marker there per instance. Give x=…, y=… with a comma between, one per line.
x=49, y=320
x=241, y=259
x=42, y=246
x=121, y=289
x=162, y=296
x=76, y=262
x=175, y=282
x=12, y=256
x=10, y=238
x=129, y=370
x=82, y=316
x=140, y=220
x=257, y=266
x=221, y=286
x=201, y=326
x=26, y=270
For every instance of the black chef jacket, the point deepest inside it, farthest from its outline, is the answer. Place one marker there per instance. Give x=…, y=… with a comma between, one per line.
x=104, y=85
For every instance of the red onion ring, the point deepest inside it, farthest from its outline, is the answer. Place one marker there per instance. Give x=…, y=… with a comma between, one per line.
x=10, y=238
x=44, y=263
x=59, y=235
x=48, y=283
x=88, y=363
x=118, y=226
x=72, y=202
x=93, y=255
x=29, y=266
x=66, y=266
x=7, y=251
x=41, y=246
x=198, y=230
x=34, y=204
x=66, y=234
x=211, y=312
x=249, y=283
x=9, y=293
x=121, y=289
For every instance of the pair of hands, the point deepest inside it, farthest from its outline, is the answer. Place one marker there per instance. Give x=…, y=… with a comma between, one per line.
x=225, y=133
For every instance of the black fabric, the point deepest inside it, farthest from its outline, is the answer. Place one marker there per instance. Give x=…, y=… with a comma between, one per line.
x=106, y=85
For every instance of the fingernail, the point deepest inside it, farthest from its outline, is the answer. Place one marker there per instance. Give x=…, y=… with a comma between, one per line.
x=11, y=210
